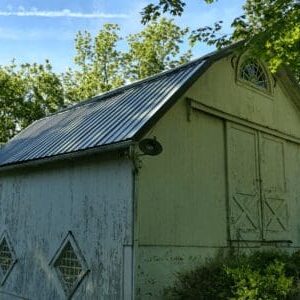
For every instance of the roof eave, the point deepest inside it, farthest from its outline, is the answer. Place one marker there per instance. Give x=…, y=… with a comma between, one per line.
x=68, y=156
x=290, y=84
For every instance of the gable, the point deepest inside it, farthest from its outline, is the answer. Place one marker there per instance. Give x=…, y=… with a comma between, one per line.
x=218, y=89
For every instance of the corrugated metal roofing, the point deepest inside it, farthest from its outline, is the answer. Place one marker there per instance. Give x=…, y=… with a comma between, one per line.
x=107, y=119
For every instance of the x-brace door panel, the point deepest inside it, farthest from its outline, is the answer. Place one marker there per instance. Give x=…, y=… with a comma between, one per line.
x=274, y=199
x=244, y=185
x=258, y=207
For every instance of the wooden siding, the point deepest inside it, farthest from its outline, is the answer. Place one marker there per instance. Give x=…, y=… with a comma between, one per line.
x=92, y=199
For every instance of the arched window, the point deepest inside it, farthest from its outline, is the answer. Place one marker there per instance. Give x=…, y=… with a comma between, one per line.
x=253, y=73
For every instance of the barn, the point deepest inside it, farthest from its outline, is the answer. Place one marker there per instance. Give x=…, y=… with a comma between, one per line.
x=107, y=199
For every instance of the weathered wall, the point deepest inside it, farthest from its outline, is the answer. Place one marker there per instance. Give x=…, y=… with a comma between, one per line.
x=183, y=193
x=181, y=199
x=93, y=199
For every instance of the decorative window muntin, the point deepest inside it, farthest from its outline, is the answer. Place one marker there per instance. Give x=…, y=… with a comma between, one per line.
x=7, y=257
x=251, y=72
x=69, y=265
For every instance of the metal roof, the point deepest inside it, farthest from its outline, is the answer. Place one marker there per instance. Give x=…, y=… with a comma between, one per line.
x=114, y=117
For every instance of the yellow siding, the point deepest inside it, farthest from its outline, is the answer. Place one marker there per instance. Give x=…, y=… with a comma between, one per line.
x=183, y=192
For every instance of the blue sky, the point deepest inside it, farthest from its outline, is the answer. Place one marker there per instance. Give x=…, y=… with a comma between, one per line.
x=35, y=30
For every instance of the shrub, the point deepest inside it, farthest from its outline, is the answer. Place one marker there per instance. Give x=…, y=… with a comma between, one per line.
x=265, y=275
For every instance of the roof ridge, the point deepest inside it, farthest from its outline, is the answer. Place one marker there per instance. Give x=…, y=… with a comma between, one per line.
x=138, y=82
x=126, y=87
x=119, y=89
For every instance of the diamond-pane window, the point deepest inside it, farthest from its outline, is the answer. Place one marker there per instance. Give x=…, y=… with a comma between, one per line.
x=252, y=72
x=7, y=257
x=69, y=265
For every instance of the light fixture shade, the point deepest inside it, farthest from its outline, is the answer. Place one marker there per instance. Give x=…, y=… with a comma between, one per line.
x=150, y=147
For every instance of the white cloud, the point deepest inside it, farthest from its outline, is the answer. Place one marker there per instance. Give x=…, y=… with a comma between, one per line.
x=65, y=13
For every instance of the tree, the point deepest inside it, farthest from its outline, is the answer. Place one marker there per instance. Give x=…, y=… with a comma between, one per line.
x=43, y=92
x=270, y=29
x=31, y=91
x=101, y=65
x=174, y=7
x=12, y=90
x=155, y=49
x=27, y=93
x=98, y=63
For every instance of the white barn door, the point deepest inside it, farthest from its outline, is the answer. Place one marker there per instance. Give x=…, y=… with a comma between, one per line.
x=256, y=181
x=244, y=189
x=274, y=197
